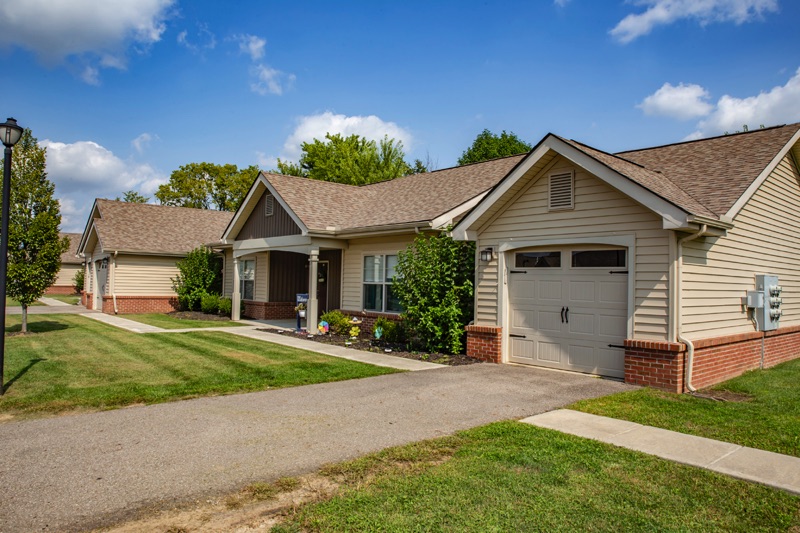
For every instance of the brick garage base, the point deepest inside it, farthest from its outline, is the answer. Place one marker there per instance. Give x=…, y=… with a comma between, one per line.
x=61, y=289
x=140, y=304
x=485, y=343
x=268, y=310
x=86, y=299
x=661, y=365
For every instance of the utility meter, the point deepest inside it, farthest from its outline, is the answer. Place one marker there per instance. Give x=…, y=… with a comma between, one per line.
x=766, y=302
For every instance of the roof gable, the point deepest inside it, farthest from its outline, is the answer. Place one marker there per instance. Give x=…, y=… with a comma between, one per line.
x=152, y=229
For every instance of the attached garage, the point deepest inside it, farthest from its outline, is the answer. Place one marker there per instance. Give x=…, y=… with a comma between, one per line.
x=568, y=309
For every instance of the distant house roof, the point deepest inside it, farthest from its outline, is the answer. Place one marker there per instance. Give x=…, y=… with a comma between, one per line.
x=70, y=257
x=155, y=229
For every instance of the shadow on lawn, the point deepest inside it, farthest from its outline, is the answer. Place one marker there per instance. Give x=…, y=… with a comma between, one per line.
x=23, y=371
x=38, y=326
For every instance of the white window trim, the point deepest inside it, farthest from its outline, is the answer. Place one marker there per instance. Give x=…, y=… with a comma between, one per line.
x=242, y=263
x=383, y=284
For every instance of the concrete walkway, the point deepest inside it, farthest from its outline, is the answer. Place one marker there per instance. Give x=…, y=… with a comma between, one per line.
x=83, y=471
x=53, y=302
x=767, y=468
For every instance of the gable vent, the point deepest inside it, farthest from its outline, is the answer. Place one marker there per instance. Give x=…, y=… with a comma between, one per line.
x=269, y=205
x=562, y=191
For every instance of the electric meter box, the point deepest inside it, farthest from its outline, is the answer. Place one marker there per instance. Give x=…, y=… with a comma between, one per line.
x=766, y=302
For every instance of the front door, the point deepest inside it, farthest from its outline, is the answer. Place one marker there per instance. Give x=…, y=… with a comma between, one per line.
x=322, y=287
x=101, y=268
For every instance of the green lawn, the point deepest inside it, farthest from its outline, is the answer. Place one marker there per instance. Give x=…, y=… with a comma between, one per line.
x=769, y=421
x=73, y=362
x=171, y=322
x=66, y=298
x=510, y=476
x=13, y=303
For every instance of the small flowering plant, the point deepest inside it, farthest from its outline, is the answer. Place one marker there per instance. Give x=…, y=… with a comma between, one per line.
x=300, y=307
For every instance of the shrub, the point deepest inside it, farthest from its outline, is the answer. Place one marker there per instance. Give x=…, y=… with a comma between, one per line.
x=197, y=273
x=77, y=280
x=391, y=331
x=209, y=303
x=434, y=283
x=338, y=322
x=225, y=307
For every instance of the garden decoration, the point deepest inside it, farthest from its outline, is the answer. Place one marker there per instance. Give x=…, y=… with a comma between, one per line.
x=323, y=327
x=354, y=332
x=378, y=332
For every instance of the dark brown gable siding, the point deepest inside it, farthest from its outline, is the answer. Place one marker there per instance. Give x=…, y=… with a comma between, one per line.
x=259, y=226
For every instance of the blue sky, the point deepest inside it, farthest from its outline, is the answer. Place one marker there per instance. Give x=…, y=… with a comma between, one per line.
x=123, y=92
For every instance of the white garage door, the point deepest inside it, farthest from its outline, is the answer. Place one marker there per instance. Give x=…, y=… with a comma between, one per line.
x=568, y=309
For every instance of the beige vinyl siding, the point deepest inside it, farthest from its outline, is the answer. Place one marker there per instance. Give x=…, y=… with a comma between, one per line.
x=353, y=264
x=66, y=274
x=141, y=275
x=599, y=210
x=765, y=240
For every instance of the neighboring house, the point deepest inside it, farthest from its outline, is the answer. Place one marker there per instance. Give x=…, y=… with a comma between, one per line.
x=131, y=251
x=337, y=242
x=70, y=265
x=637, y=265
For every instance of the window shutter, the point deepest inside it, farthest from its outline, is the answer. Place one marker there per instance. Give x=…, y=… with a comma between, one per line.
x=562, y=191
x=269, y=205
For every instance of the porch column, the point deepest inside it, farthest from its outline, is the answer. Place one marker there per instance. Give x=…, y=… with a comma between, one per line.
x=236, y=297
x=313, y=303
x=94, y=287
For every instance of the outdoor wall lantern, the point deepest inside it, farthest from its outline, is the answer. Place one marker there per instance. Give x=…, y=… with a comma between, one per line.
x=105, y=263
x=10, y=134
x=486, y=254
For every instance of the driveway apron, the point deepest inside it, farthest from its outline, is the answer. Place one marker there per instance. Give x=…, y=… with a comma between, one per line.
x=83, y=471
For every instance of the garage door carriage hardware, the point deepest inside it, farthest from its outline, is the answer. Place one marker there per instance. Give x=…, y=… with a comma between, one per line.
x=616, y=346
x=565, y=315
x=617, y=271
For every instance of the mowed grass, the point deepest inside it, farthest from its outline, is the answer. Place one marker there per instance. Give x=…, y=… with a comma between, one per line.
x=10, y=302
x=510, y=476
x=770, y=420
x=170, y=322
x=72, y=362
x=71, y=299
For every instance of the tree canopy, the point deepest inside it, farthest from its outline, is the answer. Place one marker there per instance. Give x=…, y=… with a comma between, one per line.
x=207, y=186
x=34, y=244
x=487, y=146
x=354, y=160
x=133, y=197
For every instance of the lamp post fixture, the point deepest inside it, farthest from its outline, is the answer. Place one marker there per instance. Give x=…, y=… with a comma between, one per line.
x=10, y=134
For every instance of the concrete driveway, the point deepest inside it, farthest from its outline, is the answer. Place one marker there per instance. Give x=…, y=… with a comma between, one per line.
x=83, y=471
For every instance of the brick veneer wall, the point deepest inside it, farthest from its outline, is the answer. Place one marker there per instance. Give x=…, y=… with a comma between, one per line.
x=61, y=289
x=662, y=364
x=368, y=319
x=485, y=343
x=140, y=304
x=268, y=310
x=86, y=299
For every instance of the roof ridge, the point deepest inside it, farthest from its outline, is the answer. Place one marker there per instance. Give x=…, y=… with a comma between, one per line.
x=137, y=205
x=721, y=136
x=612, y=155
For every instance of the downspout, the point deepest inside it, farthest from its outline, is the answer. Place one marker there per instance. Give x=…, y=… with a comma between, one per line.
x=679, y=315
x=114, y=282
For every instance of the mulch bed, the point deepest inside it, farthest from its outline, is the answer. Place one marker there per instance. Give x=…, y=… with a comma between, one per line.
x=376, y=346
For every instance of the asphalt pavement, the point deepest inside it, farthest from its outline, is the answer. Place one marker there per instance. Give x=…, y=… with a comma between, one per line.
x=83, y=471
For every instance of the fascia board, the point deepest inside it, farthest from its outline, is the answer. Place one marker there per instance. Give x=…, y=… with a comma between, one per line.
x=751, y=190
x=443, y=219
x=89, y=224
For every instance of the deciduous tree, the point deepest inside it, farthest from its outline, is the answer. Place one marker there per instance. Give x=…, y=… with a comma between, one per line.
x=34, y=245
x=354, y=160
x=487, y=146
x=207, y=186
x=133, y=197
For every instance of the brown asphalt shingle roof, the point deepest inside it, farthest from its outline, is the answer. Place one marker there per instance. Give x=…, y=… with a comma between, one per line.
x=132, y=227
x=71, y=255
x=716, y=171
x=415, y=198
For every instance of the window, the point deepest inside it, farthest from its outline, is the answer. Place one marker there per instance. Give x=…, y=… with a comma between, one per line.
x=378, y=273
x=538, y=260
x=561, y=191
x=247, y=278
x=599, y=258
x=269, y=205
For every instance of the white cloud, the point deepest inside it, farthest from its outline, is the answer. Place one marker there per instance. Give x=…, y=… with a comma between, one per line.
x=682, y=102
x=91, y=32
x=316, y=126
x=251, y=45
x=203, y=40
x=780, y=105
x=266, y=162
x=662, y=12
x=143, y=141
x=267, y=80
x=84, y=170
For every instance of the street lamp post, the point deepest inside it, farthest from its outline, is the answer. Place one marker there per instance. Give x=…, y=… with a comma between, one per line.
x=10, y=134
